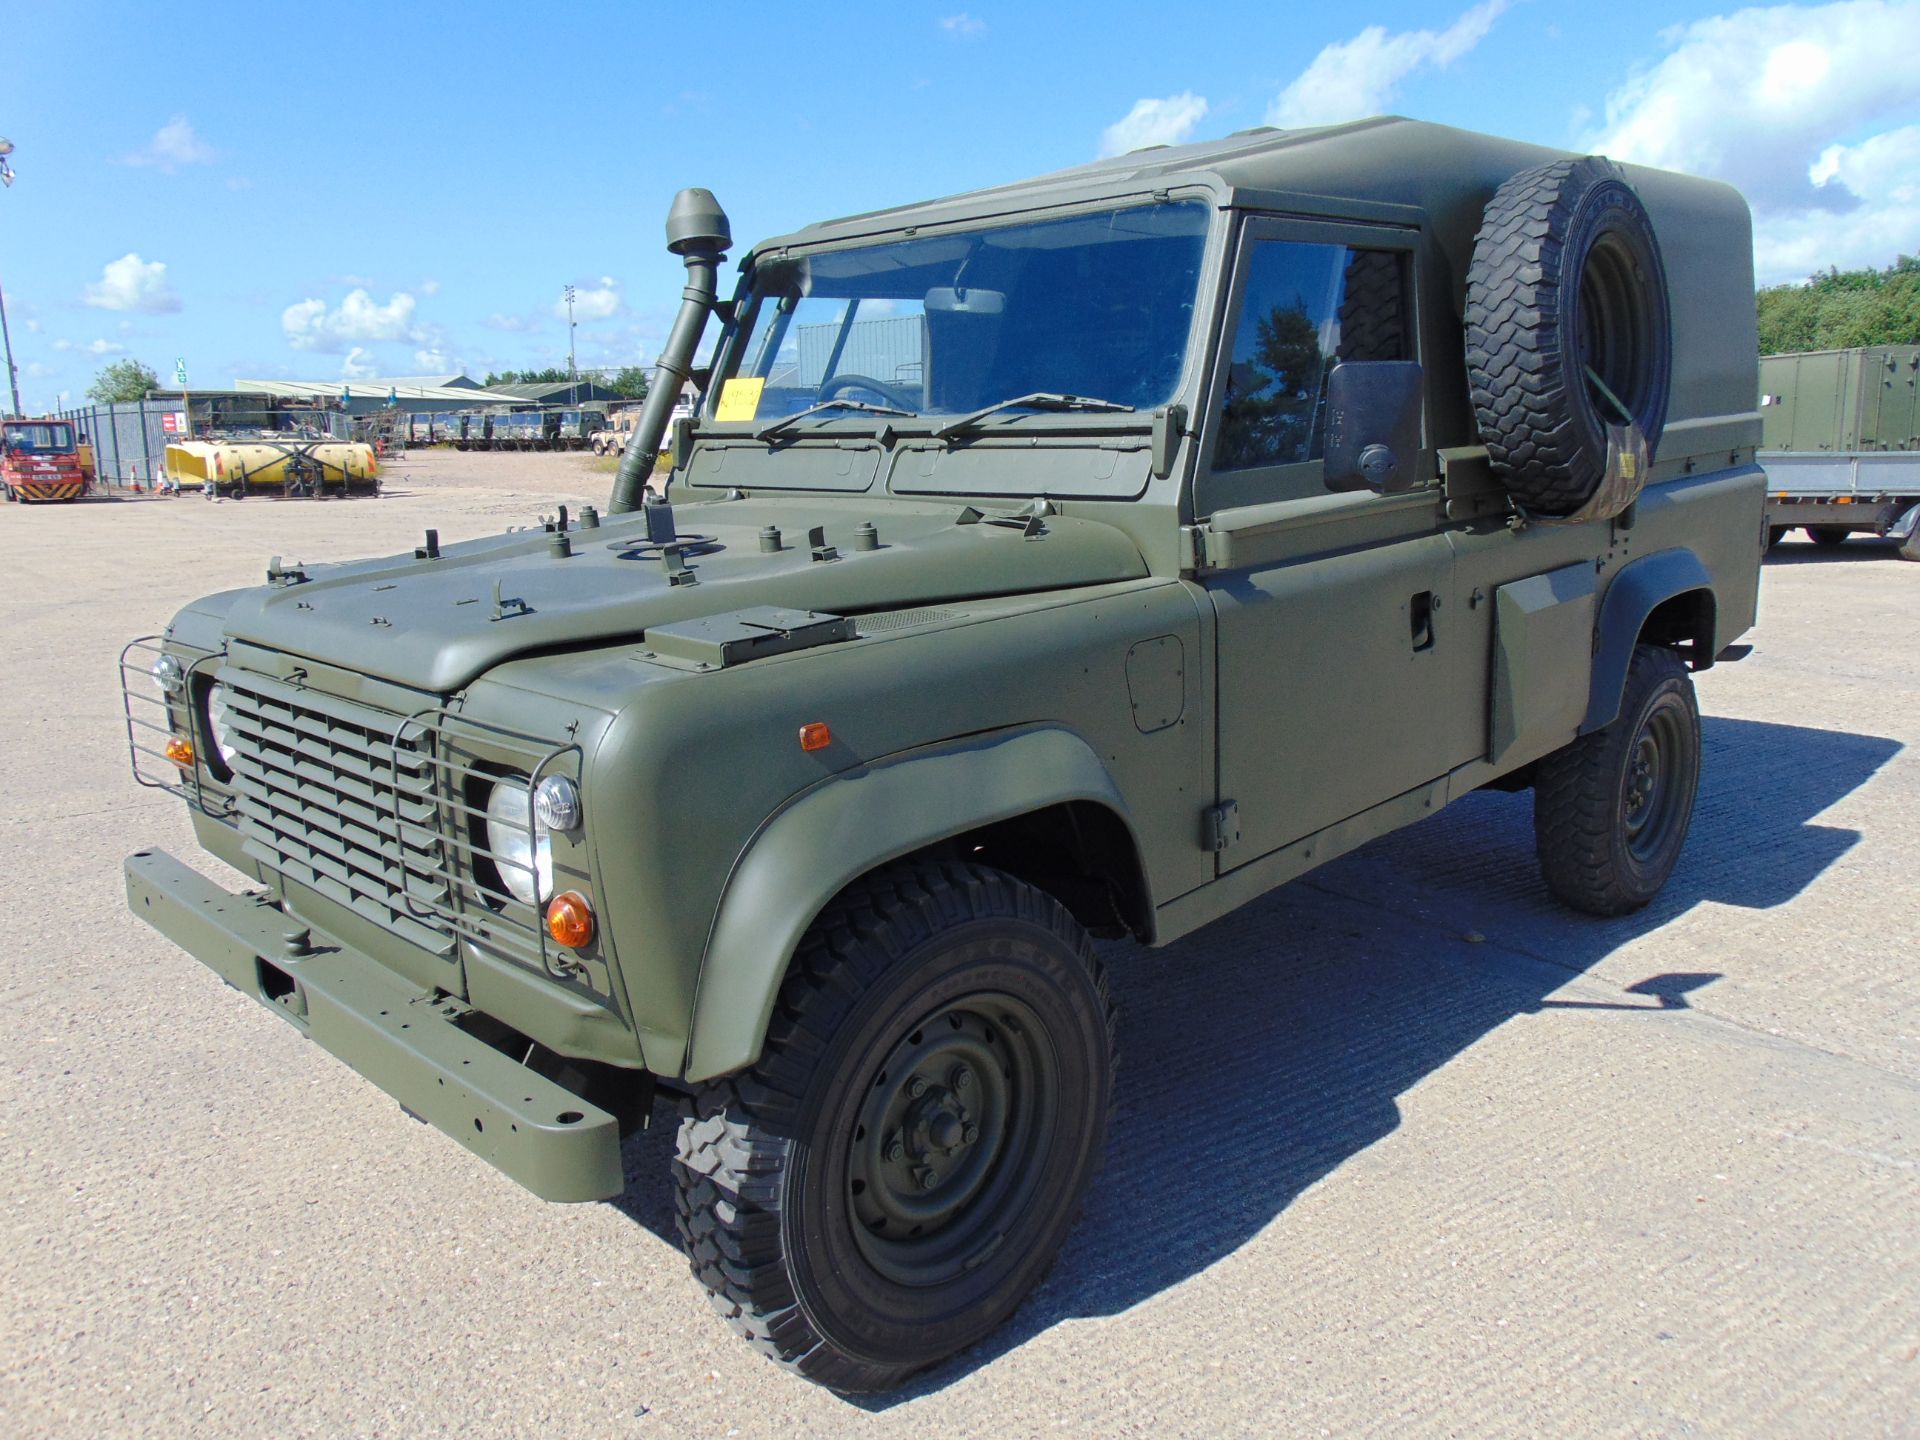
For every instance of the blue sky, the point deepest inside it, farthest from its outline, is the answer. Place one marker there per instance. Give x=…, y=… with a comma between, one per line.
x=349, y=189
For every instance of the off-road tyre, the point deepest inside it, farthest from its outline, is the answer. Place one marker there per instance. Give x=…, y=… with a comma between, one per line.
x=1827, y=537
x=1910, y=547
x=1611, y=810
x=913, y=974
x=1566, y=274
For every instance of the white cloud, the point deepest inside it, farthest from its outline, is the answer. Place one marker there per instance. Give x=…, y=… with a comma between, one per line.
x=1357, y=78
x=131, y=283
x=359, y=364
x=1801, y=107
x=963, y=25
x=592, y=302
x=1882, y=173
x=429, y=287
x=512, y=324
x=89, y=347
x=1154, y=122
x=434, y=361
x=311, y=325
x=174, y=144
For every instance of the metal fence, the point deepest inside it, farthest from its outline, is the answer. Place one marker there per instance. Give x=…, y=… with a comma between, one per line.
x=129, y=440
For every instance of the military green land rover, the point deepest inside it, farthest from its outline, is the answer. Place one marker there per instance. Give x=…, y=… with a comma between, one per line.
x=1082, y=557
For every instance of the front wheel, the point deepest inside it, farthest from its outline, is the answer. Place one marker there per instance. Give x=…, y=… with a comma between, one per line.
x=1611, y=810
x=896, y=1172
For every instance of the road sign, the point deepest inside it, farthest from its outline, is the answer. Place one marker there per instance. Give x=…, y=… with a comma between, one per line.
x=174, y=422
x=180, y=372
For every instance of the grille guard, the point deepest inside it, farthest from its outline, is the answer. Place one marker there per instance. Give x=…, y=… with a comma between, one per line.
x=140, y=697
x=479, y=912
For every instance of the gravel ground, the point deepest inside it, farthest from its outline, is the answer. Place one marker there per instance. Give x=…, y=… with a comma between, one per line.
x=1402, y=1148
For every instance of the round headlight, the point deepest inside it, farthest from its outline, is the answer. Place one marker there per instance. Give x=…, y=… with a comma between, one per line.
x=523, y=857
x=169, y=674
x=220, y=724
x=556, y=803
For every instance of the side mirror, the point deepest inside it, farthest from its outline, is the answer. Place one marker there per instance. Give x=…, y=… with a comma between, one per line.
x=1373, y=425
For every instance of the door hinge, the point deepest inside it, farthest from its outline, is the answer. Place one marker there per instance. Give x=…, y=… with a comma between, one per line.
x=1193, y=545
x=1220, y=826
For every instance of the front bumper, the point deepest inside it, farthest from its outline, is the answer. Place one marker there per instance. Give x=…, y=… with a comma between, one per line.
x=402, y=1038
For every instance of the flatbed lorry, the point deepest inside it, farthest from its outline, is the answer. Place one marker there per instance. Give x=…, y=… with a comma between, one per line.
x=1841, y=444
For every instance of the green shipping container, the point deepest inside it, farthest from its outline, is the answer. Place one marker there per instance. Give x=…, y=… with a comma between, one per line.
x=1841, y=400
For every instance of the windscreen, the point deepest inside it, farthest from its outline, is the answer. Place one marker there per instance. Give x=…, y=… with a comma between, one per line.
x=46, y=437
x=1098, y=306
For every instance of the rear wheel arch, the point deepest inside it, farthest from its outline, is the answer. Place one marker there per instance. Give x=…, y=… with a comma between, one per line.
x=1666, y=599
x=999, y=799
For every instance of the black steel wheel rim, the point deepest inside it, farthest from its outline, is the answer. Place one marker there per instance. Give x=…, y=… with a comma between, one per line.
x=950, y=1138
x=1616, y=331
x=1656, y=789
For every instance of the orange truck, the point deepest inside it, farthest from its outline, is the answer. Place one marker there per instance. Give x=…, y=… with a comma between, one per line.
x=40, y=460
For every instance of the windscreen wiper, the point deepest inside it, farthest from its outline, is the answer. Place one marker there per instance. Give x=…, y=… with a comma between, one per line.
x=1039, y=400
x=781, y=424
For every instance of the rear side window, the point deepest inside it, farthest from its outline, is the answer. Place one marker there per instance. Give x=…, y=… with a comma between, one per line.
x=1305, y=308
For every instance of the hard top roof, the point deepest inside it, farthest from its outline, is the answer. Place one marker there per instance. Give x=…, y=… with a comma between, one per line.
x=1386, y=168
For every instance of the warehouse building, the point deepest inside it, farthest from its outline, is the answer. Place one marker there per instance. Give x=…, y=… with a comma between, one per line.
x=415, y=394
x=557, y=392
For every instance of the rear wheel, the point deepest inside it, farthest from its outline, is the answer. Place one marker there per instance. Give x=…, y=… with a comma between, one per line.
x=1775, y=534
x=1828, y=538
x=1611, y=810
x=896, y=1172
x=1910, y=547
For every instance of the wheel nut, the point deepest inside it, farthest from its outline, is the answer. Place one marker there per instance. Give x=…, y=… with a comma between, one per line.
x=916, y=1087
x=970, y=1135
x=962, y=1077
x=896, y=1152
x=928, y=1179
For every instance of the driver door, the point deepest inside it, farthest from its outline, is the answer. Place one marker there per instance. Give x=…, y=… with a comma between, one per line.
x=1338, y=687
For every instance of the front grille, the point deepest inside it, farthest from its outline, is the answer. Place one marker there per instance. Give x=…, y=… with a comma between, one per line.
x=326, y=800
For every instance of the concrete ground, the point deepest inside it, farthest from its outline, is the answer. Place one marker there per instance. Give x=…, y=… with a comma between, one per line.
x=1402, y=1148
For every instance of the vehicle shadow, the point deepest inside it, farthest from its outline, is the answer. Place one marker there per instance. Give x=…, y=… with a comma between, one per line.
x=1855, y=548
x=1264, y=1051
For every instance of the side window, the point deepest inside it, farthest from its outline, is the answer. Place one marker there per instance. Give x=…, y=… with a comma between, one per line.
x=1305, y=307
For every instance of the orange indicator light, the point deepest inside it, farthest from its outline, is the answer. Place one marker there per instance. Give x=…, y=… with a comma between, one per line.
x=570, y=920
x=815, y=735
x=180, y=751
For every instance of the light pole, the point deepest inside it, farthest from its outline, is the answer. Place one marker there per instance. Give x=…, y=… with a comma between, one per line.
x=13, y=375
x=573, y=375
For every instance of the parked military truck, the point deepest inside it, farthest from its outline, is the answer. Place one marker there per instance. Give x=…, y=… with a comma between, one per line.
x=1841, y=444
x=1253, y=499
x=576, y=428
x=474, y=430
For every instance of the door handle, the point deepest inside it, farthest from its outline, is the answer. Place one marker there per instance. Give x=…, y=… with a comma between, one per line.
x=1420, y=619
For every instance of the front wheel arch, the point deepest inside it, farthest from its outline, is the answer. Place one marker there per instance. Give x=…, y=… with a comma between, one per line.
x=921, y=802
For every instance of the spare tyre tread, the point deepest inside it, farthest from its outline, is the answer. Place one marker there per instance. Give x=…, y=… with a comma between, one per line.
x=1516, y=355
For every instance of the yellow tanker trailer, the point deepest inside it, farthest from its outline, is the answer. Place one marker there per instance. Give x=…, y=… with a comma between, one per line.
x=290, y=467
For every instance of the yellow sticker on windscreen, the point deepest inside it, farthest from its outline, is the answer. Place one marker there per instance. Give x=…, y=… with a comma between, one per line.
x=740, y=399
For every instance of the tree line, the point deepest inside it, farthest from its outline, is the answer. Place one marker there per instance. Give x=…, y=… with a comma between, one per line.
x=1843, y=309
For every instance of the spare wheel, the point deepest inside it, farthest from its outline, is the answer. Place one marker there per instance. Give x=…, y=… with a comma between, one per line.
x=1568, y=329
